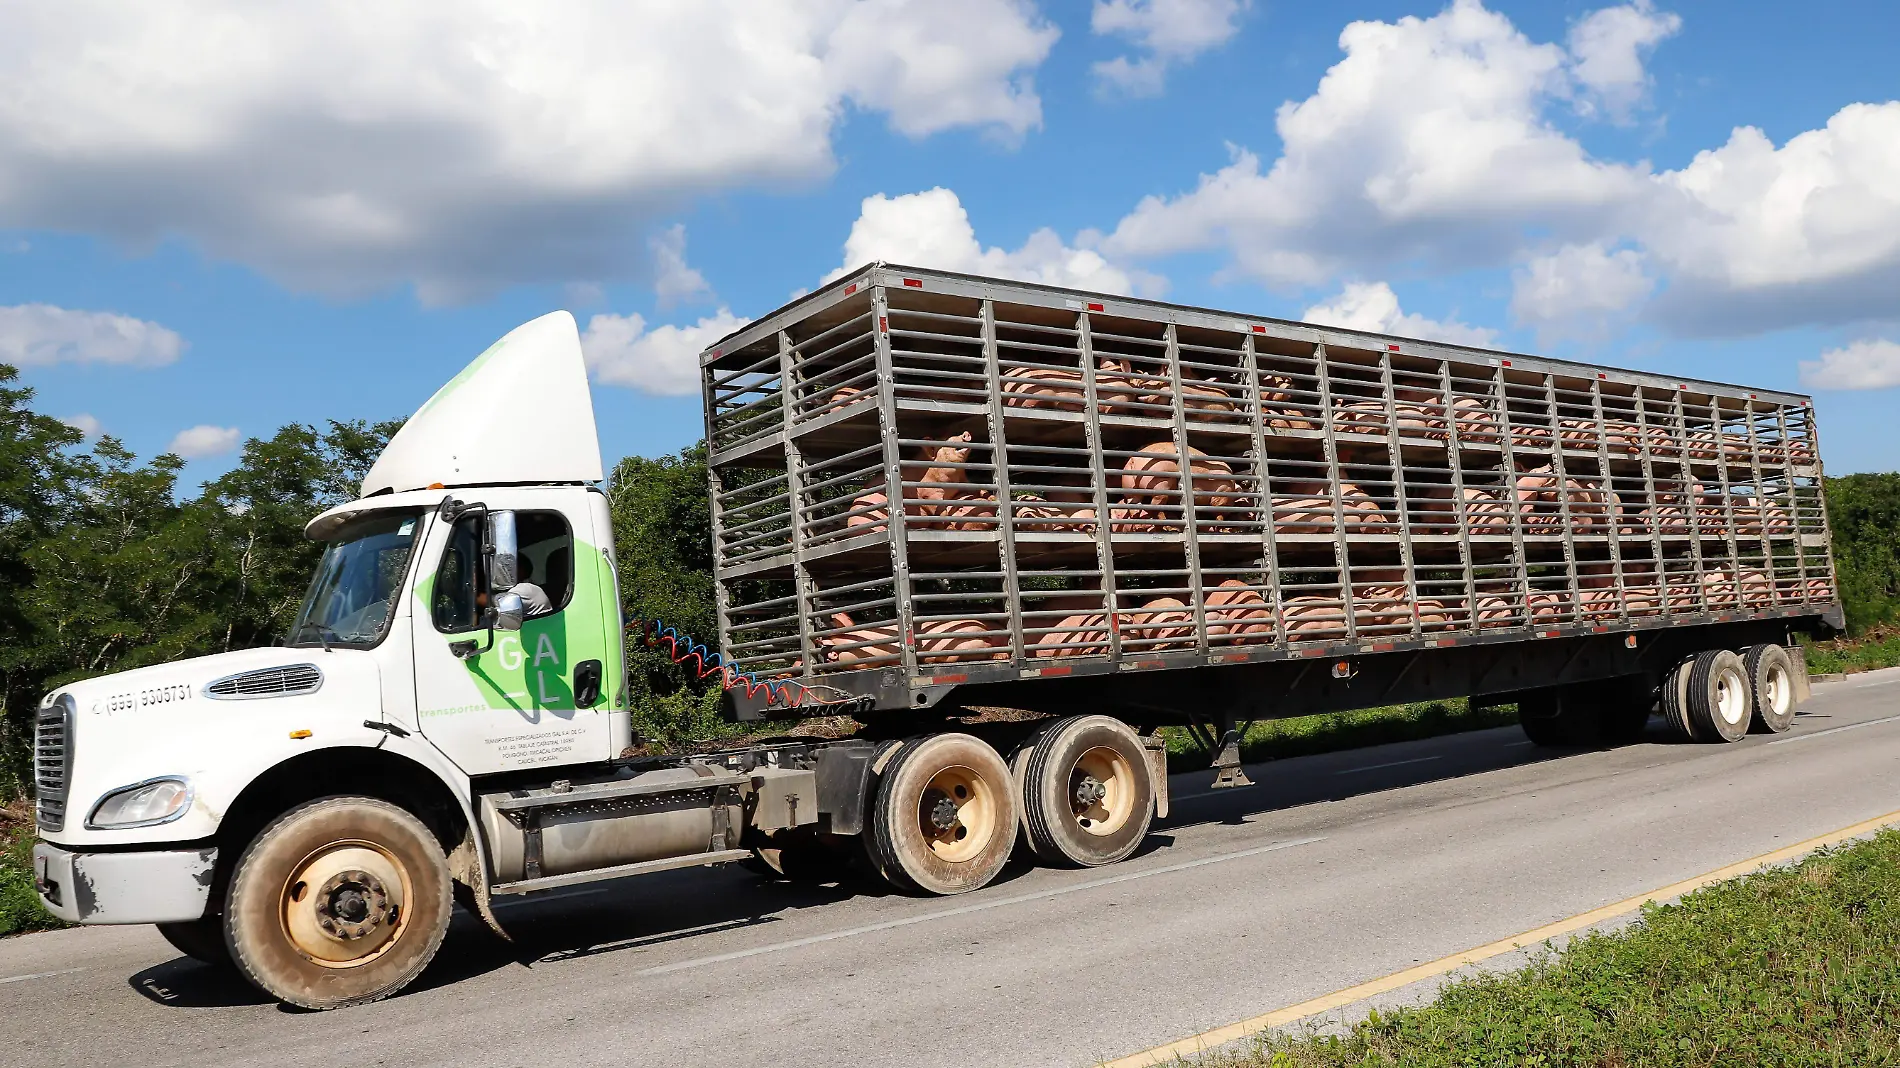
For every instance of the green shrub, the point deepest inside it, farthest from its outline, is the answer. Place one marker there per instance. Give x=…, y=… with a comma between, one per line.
x=19, y=905
x=1790, y=966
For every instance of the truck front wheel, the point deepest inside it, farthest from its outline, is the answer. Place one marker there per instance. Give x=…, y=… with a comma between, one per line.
x=338, y=902
x=202, y=940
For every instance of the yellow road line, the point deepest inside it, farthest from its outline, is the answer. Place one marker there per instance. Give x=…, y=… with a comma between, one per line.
x=1207, y=1040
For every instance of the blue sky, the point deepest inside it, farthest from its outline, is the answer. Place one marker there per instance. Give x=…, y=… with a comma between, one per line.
x=214, y=221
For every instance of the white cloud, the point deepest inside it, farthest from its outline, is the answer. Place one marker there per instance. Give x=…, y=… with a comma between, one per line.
x=1608, y=46
x=40, y=335
x=1432, y=144
x=673, y=281
x=1426, y=142
x=1579, y=291
x=1870, y=364
x=88, y=425
x=933, y=66
x=664, y=360
x=1169, y=31
x=1372, y=306
x=1756, y=237
x=932, y=229
x=204, y=440
x=473, y=144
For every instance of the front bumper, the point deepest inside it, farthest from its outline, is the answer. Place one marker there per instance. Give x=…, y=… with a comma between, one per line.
x=166, y=886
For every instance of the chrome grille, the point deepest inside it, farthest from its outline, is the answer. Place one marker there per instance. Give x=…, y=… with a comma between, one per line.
x=266, y=682
x=52, y=756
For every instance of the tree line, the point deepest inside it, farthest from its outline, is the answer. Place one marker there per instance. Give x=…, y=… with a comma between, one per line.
x=106, y=564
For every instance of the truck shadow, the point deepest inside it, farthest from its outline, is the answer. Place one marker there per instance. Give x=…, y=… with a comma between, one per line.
x=636, y=917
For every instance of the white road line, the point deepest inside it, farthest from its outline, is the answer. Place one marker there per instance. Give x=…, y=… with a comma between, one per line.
x=1393, y=764
x=38, y=975
x=1836, y=730
x=981, y=906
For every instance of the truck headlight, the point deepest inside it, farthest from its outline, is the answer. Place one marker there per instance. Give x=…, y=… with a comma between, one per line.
x=145, y=804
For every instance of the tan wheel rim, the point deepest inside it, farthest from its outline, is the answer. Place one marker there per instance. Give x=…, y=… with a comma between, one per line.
x=1102, y=791
x=345, y=904
x=1731, y=697
x=1778, y=691
x=957, y=814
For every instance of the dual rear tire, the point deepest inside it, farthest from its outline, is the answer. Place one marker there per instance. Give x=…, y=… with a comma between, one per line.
x=1716, y=695
x=949, y=811
x=1720, y=696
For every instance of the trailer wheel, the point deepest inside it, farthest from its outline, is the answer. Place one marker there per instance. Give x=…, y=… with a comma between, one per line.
x=1555, y=717
x=1715, y=697
x=1087, y=798
x=338, y=902
x=1770, y=673
x=1675, y=701
x=201, y=939
x=944, y=819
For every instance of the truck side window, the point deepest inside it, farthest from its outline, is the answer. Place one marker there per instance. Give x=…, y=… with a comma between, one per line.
x=458, y=580
x=461, y=581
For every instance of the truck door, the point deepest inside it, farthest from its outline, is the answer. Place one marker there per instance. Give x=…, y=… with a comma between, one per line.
x=517, y=699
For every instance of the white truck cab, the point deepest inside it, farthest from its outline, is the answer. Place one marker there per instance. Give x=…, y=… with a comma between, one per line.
x=463, y=623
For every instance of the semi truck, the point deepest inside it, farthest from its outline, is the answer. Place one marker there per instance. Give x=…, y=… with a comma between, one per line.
x=1008, y=532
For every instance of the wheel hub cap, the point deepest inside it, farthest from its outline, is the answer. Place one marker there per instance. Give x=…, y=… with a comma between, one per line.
x=1089, y=791
x=943, y=813
x=352, y=904
x=343, y=906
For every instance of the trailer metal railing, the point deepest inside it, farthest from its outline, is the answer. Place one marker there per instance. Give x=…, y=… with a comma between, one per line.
x=938, y=479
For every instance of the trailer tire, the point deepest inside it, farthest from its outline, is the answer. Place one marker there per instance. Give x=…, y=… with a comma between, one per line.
x=1717, y=698
x=1087, y=798
x=371, y=922
x=1675, y=701
x=201, y=939
x=1555, y=717
x=1771, y=687
x=1622, y=707
x=944, y=817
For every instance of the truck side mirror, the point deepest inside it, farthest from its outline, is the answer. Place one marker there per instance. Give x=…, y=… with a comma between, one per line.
x=508, y=611
x=502, y=554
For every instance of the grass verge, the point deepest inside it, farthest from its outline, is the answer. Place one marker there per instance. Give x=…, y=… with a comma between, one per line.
x=1790, y=966
x=1877, y=647
x=1277, y=739
x=19, y=906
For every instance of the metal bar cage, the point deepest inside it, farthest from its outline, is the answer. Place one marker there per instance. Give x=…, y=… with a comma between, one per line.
x=965, y=479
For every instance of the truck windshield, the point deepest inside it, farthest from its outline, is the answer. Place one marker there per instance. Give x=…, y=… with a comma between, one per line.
x=359, y=576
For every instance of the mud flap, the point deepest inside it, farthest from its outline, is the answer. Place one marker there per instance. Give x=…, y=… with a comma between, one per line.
x=471, y=884
x=1156, y=749
x=1803, y=686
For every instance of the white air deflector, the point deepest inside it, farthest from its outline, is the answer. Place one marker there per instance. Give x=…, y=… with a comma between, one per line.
x=266, y=682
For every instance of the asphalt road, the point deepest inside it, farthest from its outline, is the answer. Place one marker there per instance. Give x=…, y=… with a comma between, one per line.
x=1333, y=870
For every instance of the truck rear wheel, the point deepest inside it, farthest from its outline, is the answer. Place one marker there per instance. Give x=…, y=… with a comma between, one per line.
x=1086, y=796
x=202, y=940
x=1770, y=673
x=1713, y=696
x=944, y=818
x=339, y=902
